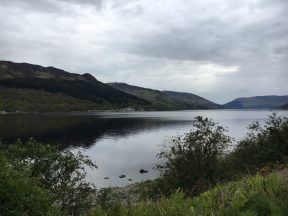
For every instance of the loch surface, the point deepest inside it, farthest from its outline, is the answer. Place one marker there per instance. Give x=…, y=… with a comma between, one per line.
x=120, y=143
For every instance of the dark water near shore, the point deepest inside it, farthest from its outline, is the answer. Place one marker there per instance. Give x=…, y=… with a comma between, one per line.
x=120, y=143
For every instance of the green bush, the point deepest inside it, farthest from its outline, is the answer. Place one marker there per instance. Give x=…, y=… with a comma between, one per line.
x=264, y=145
x=53, y=178
x=201, y=158
x=20, y=194
x=192, y=161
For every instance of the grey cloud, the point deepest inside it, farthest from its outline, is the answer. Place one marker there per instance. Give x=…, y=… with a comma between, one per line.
x=50, y=6
x=38, y=5
x=162, y=44
x=212, y=40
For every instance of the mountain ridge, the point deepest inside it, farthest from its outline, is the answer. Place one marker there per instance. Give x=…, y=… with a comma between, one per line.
x=84, y=91
x=53, y=80
x=257, y=102
x=166, y=99
x=11, y=70
x=157, y=99
x=193, y=99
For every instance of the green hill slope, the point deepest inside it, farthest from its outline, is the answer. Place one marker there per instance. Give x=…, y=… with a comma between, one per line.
x=48, y=79
x=158, y=99
x=30, y=100
x=193, y=100
x=166, y=100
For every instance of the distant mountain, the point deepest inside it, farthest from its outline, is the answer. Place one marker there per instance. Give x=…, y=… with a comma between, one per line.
x=166, y=100
x=28, y=87
x=257, y=102
x=158, y=100
x=193, y=100
x=50, y=80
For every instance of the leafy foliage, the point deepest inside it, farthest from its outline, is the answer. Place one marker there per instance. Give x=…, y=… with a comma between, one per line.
x=21, y=194
x=264, y=145
x=48, y=171
x=192, y=160
x=202, y=158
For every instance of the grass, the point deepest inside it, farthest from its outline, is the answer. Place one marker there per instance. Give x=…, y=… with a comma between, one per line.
x=257, y=195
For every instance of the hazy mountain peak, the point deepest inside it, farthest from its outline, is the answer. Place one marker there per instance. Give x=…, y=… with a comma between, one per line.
x=257, y=102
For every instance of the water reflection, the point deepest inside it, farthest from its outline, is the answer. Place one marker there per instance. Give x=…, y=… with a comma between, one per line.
x=70, y=131
x=120, y=143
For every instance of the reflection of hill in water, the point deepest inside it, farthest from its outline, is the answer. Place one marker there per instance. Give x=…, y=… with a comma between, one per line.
x=73, y=130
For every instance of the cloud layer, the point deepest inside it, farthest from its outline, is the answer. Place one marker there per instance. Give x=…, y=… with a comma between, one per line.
x=219, y=49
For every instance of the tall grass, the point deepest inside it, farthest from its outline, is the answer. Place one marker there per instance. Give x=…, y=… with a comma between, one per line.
x=257, y=195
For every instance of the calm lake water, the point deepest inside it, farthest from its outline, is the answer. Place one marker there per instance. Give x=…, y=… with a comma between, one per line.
x=120, y=143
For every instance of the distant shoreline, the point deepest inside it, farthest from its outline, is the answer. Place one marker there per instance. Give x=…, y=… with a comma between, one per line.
x=129, y=111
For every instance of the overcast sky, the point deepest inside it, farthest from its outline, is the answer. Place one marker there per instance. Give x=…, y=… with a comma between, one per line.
x=218, y=49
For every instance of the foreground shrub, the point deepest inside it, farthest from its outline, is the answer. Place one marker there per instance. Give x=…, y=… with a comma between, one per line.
x=191, y=162
x=264, y=146
x=21, y=194
x=201, y=158
x=54, y=178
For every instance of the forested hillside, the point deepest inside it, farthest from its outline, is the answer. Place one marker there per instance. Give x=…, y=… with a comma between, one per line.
x=166, y=100
x=60, y=90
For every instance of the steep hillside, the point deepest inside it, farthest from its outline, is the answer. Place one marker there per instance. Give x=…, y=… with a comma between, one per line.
x=30, y=100
x=158, y=99
x=11, y=70
x=166, y=100
x=83, y=87
x=193, y=100
x=257, y=102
